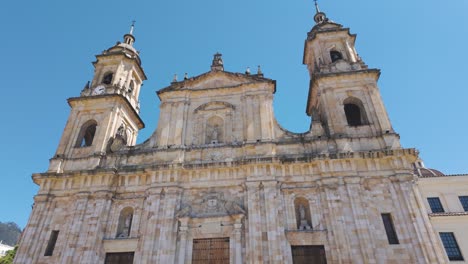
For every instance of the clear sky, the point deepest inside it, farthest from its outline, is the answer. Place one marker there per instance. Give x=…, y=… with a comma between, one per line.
x=48, y=46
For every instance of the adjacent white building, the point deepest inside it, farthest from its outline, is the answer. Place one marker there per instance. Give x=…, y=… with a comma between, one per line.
x=4, y=249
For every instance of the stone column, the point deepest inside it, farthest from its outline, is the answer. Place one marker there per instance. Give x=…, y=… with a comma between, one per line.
x=250, y=110
x=96, y=226
x=238, y=241
x=275, y=228
x=360, y=218
x=166, y=249
x=337, y=229
x=254, y=233
x=149, y=231
x=177, y=124
x=183, y=230
x=75, y=224
x=427, y=247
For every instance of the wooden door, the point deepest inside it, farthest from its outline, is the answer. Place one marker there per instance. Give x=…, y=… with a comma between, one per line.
x=309, y=255
x=119, y=258
x=210, y=251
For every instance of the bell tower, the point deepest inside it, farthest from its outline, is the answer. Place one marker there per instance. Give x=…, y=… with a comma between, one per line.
x=343, y=96
x=105, y=117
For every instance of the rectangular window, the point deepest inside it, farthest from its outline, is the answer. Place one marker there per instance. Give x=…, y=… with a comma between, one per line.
x=464, y=202
x=308, y=254
x=390, y=229
x=451, y=246
x=436, y=206
x=51, y=245
x=119, y=258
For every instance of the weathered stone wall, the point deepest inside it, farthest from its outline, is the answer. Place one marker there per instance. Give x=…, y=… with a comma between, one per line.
x=251, y=203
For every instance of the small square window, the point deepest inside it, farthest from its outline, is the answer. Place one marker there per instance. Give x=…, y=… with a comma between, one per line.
x=464, y=202
x=451, y=246
x=436, y=206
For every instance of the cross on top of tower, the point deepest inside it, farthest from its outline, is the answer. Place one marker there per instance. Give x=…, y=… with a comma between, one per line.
x=316, y=6
x=132, y=27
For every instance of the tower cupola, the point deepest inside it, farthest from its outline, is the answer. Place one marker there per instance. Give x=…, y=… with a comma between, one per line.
x=118, y=71
x=129, y=38
x=319, y=17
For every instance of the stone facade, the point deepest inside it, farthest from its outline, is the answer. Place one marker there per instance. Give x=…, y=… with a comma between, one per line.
x=220, y=166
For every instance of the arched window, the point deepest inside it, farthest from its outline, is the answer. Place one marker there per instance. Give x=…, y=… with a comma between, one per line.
x=86, y=136
x=303, y=218
x=335, y=55
x=214, y=132
x=125, y=223
x=107, y=79
x=354, y=111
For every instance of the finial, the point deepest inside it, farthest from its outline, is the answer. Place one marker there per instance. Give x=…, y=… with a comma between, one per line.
x=217, y=64
x=247, y=71
x=320, y=16
x=132, y=27
x=129, y=38
x=259, y=71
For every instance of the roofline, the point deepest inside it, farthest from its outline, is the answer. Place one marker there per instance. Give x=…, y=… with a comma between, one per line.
x=255, y=77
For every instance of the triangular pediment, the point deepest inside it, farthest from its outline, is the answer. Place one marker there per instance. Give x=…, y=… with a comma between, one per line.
x=216, y=79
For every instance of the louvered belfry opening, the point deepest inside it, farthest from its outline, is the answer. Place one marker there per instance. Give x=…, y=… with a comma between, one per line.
x=210, y=251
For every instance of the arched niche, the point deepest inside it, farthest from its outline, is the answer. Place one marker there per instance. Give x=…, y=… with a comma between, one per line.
x=125, y=223
x=303, y=216
x=214, y=130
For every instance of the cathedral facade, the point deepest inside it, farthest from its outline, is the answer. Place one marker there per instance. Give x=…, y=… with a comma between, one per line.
x=220, y=181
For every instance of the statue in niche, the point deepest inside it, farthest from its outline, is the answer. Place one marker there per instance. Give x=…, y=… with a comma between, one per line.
x=303, y=220
x=127, y=225
x=214, y=130
x=215, y=134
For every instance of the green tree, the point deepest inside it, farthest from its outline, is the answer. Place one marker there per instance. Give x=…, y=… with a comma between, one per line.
x=8, y=258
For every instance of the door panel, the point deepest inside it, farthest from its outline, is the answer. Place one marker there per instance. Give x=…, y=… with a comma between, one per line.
x=210, y=251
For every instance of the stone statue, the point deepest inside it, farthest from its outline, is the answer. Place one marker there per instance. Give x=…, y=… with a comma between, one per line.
x=127, y=225
x=304, y=225
x=215, y=134
x=302, y=212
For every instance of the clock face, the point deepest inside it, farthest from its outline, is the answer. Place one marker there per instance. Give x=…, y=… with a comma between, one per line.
x=99, y=90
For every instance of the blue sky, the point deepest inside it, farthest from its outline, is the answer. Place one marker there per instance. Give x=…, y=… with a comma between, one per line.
x=48, y=47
